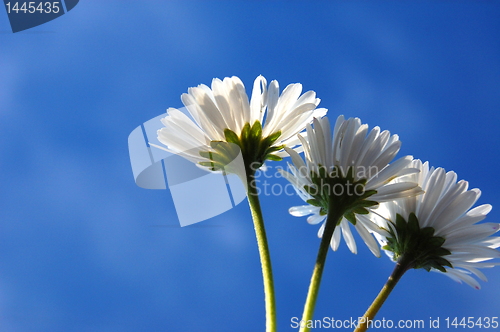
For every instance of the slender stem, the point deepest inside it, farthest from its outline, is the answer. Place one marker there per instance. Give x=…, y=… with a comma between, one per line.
x=334, y=216
x=401, y=267
x=265, y=259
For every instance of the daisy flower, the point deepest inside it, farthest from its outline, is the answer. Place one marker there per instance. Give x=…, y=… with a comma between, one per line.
x=349, y=172
x=227, y=122
x=345, y=176
x=227, y=125
x=438, y=230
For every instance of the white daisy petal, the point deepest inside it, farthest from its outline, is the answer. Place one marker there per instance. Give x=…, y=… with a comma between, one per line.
x=462, y=276
x=335, y=242
x=389, y=173
x=321, y=230
x=297, y=161
x=368, y=238
x=201, y=118
x=221, y=95
x=393, y=191
x=315, y=219
x=349, y=239
x=303, y=210
x=258, y=100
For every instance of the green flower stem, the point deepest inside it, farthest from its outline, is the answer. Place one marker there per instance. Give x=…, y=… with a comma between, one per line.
x=401, y=267
x=334, y=217
x=265, y=259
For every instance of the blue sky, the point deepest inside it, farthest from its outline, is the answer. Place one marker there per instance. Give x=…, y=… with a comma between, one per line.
x=82, y=248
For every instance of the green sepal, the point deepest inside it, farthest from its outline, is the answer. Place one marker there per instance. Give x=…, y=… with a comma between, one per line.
x=274, y=149
x=366, y=204
x=273, y=157
x=311, y=190
x=256, y=131
x=435, y=265
x=361, y=210
x=272, y=138
x=245, y=132
x=350, y=174
x=231, y=137
x=323, y=174
x=229, y=149
x=313, y=202
x=221, y=159
x=254, y=149
x=400, y=225
x=413, y=223
x=436, y=241
x=416, y=245
x=441, y=261
x=332, y=188
x=388, y=247
x=427, y=232
x=442, y=252
x=351, y=217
